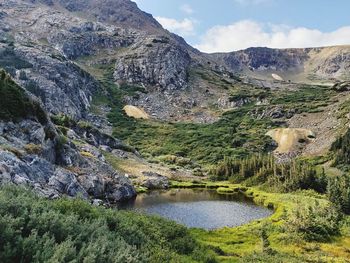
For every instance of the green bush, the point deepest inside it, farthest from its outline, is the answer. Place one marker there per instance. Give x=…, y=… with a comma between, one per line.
x=71, y=230
x=314, y=222
x=341, y=148
x=63, y=120
x=338, y=190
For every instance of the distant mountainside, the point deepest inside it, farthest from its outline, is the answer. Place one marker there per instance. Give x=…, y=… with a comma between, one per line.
x=301, y=65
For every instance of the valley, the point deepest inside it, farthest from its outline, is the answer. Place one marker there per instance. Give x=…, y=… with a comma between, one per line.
x=101, y=106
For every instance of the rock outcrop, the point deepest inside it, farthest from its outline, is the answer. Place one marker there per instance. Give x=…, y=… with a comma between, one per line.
x=156, y=62
x=35, y=154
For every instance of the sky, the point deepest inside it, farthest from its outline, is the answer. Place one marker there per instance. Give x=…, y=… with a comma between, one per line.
x=229, y=25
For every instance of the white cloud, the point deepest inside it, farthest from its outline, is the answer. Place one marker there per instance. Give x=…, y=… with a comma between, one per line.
x=248, y=33
x=183, y=27
x=186, y=8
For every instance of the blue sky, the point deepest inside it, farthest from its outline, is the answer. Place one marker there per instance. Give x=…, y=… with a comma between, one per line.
x=226, y=25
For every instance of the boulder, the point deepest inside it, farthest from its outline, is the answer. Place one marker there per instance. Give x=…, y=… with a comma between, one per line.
x=154, y=181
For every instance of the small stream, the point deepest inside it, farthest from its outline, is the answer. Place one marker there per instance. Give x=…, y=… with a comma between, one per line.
x=200, y=208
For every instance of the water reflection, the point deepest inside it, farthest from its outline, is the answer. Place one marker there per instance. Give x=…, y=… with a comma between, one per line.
x=198, y=207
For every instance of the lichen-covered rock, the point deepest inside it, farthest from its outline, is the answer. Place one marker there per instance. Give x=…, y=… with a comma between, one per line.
x=341, y=86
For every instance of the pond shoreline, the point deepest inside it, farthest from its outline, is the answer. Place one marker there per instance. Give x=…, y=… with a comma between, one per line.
x=205, y=208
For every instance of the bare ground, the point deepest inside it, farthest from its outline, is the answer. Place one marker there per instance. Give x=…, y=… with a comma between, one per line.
x=326, y=125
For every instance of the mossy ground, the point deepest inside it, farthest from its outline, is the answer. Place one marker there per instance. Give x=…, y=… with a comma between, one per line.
x=243, y=243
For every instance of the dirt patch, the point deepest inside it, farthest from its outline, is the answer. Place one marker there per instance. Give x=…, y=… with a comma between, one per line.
x=135, y=112
x=291, y=140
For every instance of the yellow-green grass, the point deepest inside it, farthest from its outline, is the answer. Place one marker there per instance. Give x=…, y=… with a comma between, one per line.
x=234, y=244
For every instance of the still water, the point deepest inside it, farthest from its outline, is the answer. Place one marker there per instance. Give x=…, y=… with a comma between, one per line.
x=199, y=208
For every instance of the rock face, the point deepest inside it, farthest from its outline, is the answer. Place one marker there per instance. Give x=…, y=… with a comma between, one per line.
x=55, y=168
x=55, y=44
x=64, y=34
x=341, y=86
x=264, y=58
x=121, y=12
x=35, y=154
x=156, y=62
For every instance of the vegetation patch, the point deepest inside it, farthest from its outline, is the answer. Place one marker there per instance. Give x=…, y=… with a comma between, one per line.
x=33, y=148
x=34, y=229
x=17, y=104
x=302, y=229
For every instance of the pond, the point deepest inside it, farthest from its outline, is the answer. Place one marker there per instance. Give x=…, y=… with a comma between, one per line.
x=200, y=208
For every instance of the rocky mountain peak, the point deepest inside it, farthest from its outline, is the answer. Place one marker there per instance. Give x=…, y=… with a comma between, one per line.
x=124, y=13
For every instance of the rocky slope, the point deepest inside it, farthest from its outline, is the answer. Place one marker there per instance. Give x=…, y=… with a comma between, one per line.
x=55, y=40
x=34, y=153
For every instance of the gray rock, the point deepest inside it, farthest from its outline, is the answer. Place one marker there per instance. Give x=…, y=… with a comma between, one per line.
x=97, y=202
x=158, y=62
x=154, y=181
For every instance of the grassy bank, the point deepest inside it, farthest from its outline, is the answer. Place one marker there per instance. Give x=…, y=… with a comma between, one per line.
x=300, y=230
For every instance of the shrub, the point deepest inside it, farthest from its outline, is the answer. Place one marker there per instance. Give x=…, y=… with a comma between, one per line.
x=33, y=148
x=37, y=230
x=84, y=125
x=338, y=191
x=63, y=120
x=17, y=104
x=13, y=150
x=87, y=154
x=314, y=222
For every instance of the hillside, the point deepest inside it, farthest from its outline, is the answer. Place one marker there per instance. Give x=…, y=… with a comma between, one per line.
x=86, y=62
x=99, y=102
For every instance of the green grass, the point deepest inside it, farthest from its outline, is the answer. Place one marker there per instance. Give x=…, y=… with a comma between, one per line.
x=308, y=98
x=236, y=134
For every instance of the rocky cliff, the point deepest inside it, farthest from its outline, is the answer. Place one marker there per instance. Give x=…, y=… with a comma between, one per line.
x=34, y=153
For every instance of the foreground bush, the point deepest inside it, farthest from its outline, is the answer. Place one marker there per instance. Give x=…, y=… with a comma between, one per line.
x=33, y=229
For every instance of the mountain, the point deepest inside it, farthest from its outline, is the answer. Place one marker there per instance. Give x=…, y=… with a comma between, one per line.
x=301, y=65
x=83, y=61
x=99, y=102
